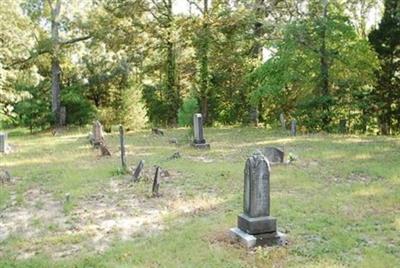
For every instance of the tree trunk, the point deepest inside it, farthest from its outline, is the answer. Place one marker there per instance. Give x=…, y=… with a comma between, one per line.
x=324, y=69
x=55, y=63
x=204, y=74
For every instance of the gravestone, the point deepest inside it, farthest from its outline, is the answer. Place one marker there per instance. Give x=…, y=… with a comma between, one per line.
x=157, y=131
x=256, y=227
x=199, y=141
x=343, y=126
x=156, y=182
x=104, y=150
x=138, y=170
x=273, y=154
x=3, y=143
x=97, y=134
x=63, y=116
x=283, y=121
x=122, y=147
x=293, y=127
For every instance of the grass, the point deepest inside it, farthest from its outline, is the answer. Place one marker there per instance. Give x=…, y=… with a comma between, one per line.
x=339, y=202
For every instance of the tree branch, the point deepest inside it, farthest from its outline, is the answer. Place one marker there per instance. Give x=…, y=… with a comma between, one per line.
x=74, y=40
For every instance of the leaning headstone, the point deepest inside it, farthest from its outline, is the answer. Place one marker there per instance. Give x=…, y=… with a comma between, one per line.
x=199, y=141
x=256, y=227
x=63, y=116
x=273, y=154
x=157, y=131
x=104, y=150
x=138, y=170
x=122, y=147
x=97, y=134
x=283, y=121
x=3, y=143
x=293, y=127
x=156, y=183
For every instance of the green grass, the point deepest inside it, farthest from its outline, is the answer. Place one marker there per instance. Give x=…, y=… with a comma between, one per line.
x=339, y=202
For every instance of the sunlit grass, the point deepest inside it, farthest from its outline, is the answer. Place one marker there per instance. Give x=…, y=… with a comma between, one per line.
x=339, y=202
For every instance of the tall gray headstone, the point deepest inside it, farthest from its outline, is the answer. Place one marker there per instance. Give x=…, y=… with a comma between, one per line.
x=63, y=116
x=255, y=225
x=293, y=126
x=3, y=142
x=283, y=121
x=97, y=133
x=199, y=141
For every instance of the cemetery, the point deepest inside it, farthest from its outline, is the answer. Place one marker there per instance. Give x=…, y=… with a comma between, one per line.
x=199, y=133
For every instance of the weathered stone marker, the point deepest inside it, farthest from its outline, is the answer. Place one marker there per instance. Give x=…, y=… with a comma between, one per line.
x=199, y=141
x=156, y=183
x=256, y=227
x=343, y=126
x=97, y=134
x=63, y=116
x=273, y=154
x=283, y=121
x=293, y=127
x=3, y=143
x=122, y=145
x=138, y=170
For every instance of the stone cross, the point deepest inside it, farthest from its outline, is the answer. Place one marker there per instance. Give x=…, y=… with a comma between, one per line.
x=3, y=142
x=122, y=145
x=283, y=121
x=293, y=127
x=199, y=141
x=255, y=224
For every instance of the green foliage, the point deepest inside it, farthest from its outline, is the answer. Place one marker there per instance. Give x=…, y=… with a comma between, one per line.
x=80, y=111
x=132, y=114
x=291, y=81
x=185, y=114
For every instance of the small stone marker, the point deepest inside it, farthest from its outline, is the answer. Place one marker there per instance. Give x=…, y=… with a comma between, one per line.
x=104, y=150
x=156, y=183
x=122, y=145
x=273, y=154
x=97, y=134
x=138, y=170
x=3, y=143
x=283, y=121
x=5, y=176
x=157, y=131
x=199, y=141
x=255, y=225
x=293, y=124
x=343, y=126
x=63, y=116
x=176, y=155
x=173, y=141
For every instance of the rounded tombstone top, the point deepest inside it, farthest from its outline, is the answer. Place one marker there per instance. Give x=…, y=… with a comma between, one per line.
x=258, y=157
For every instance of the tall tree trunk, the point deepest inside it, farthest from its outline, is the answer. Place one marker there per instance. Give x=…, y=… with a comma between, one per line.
x=324, y=68
x=204, y=74
x=172, y=87
x=55, y=62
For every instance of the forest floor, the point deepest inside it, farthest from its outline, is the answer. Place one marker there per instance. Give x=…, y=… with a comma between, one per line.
x=339, y=202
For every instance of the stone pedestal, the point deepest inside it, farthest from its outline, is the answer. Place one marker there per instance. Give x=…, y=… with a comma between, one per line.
x=250, y=241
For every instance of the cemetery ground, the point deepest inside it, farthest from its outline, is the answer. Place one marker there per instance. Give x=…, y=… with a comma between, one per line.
x=338, y=202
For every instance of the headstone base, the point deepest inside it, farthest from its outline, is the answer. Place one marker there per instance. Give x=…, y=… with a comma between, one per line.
x=266, y=239
x=259, y=225
x=201, y=145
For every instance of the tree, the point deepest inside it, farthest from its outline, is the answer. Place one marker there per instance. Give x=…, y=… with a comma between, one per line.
x=386, y=42
x=320, y=62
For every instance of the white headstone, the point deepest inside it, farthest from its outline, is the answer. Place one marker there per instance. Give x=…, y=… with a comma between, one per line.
x=3, y=142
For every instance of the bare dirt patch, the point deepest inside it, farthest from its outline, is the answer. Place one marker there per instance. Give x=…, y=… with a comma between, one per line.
x=120, y=210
